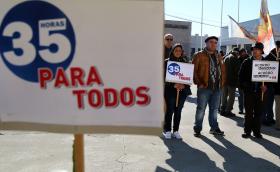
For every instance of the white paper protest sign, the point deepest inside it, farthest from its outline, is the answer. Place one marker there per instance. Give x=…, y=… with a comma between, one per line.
x=80, y=63
x=178, y=72
x=265, y=71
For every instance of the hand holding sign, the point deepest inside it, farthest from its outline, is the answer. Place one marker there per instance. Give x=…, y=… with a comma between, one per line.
x=264, y=88
x=179, y=86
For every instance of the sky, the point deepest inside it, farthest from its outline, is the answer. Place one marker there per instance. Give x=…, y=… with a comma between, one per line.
x=191, y=10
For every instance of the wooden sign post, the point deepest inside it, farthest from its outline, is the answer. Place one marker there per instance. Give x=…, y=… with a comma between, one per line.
x=78, y=157
x=177, y=98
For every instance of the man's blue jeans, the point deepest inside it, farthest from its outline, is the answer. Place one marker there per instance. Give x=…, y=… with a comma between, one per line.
x=212, y=98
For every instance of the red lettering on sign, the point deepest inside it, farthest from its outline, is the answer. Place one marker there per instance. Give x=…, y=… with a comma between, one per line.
x=127, y=96
x=61, y=79
x=45, y=75
x=111, y=97
x=77, y=76
x=93, y=77
x=141, y=92
x=95, y=98
x=80, y=98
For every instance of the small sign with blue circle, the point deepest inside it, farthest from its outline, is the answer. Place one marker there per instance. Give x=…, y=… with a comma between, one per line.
x=173, y=68
x=178, y=72
x=29, y=41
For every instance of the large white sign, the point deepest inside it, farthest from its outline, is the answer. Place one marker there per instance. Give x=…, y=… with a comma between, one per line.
x=178, y=72
x=265, y=71
x=82, y=64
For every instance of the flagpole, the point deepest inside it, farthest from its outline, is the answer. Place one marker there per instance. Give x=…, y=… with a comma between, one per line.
x=220, y=48
x=238, y=20
x=201, y=26
x=277, y=54
x=238, y=11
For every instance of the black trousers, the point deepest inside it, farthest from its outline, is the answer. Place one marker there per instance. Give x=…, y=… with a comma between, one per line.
x=254, y=106
x=170, y=95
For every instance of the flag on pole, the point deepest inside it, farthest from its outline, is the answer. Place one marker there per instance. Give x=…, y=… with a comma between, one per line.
x=237, y=31
x=265, y=32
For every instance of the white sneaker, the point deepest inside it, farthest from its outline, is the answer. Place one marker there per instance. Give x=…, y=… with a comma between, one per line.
x=167, y=135
x=177, y=135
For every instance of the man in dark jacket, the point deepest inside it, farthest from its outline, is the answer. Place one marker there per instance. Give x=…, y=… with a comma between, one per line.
x=273, y=93
x=253, y=94
x=277, y=91
x=268, y=114
x=277, y=100
x=243, y=55
x=228, y=95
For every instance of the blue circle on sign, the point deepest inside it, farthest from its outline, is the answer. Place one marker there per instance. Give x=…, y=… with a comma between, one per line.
x=34, y=35
x=173, y=68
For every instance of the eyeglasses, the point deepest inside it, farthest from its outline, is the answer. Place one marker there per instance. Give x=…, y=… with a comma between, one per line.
x=213, y=42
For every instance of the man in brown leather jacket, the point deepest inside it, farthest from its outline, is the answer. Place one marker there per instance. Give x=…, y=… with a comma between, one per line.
x=209, y=76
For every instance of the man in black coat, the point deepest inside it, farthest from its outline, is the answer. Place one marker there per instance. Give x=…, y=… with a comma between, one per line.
x=268, y=114
x=243, y=55
x=228, y=96
x=253, y=100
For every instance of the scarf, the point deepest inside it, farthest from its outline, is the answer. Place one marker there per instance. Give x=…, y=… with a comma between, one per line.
x=215, y=72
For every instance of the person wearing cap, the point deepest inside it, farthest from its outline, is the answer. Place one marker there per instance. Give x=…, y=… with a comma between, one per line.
x=168, y=43
x=254, y=100
x=273, y=93
x=170, y=96
x=209, y=76
x=243, y=55
x=268, y=114
x=222, y=53
x=228, y=92
x=277, y=91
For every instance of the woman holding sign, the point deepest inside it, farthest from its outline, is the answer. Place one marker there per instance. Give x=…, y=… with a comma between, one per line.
x=174, y=102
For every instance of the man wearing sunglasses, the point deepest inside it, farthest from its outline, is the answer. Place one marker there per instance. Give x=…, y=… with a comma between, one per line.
x=209, y=76
x=168, y=43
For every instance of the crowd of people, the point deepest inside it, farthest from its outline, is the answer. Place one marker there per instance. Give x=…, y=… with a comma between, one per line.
x=219, y=79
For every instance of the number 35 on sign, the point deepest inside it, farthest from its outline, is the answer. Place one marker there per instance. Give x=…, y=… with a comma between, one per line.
x=178, y=72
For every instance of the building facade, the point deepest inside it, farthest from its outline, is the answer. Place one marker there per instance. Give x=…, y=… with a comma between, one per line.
x=181, y=30
x=196, y=43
